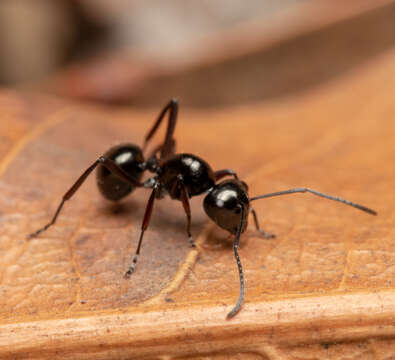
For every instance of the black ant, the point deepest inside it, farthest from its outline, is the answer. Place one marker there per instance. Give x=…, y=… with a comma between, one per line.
x=181, y=176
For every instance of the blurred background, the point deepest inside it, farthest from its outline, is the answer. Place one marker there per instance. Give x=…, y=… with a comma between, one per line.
x=209, y=53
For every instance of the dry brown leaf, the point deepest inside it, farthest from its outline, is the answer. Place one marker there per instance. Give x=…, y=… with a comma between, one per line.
x=322, y=289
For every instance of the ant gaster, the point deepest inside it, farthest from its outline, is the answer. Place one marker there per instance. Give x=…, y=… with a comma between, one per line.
x=182, y=176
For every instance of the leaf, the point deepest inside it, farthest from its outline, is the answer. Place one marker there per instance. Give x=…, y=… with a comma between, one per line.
x=326, y=280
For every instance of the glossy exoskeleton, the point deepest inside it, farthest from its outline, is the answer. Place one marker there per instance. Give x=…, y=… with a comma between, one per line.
x=181, y=176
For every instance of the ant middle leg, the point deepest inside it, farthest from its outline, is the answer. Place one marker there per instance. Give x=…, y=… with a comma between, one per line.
x=144, y=226
x=110, y=165
x=187, y=209
x=258, y=228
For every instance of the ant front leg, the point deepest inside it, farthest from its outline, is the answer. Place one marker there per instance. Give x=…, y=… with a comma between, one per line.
x=264, y=233
x=144, y=226
x=110, y=165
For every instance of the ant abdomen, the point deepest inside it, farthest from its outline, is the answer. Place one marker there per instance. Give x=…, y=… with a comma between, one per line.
x=223, y=205
x=128, y=157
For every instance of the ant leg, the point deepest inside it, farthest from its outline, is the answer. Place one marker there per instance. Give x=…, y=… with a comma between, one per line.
x=225, y=172
x=159, y=148
x=109, y=164
x=264, y=233
x=314, y=192
x=144, y=226
x=187, y=209
x=237, y=307
x=167, y=147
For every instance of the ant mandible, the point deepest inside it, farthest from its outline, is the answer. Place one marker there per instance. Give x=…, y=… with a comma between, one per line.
x=182, y=176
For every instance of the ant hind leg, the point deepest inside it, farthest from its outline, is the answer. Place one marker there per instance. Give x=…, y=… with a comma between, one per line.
x=110, y=165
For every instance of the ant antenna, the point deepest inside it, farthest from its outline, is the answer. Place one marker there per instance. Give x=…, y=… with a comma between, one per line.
x=330, y=197
x=237, y=307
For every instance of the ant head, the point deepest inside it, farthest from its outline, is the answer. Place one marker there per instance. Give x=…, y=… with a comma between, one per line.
x=223, y=203
x=243, y=185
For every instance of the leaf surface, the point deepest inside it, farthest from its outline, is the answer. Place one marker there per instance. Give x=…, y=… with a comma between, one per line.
x=326, y=280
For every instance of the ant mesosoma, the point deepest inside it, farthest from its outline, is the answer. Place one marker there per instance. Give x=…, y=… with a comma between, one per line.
x=182, y=176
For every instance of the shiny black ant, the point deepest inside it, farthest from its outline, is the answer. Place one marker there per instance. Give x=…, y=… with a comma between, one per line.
x=182, y=176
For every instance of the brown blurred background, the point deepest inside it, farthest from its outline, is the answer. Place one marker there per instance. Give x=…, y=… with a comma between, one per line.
x=207, y=53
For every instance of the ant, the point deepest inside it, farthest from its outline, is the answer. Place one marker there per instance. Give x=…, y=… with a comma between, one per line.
x=182, y=176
